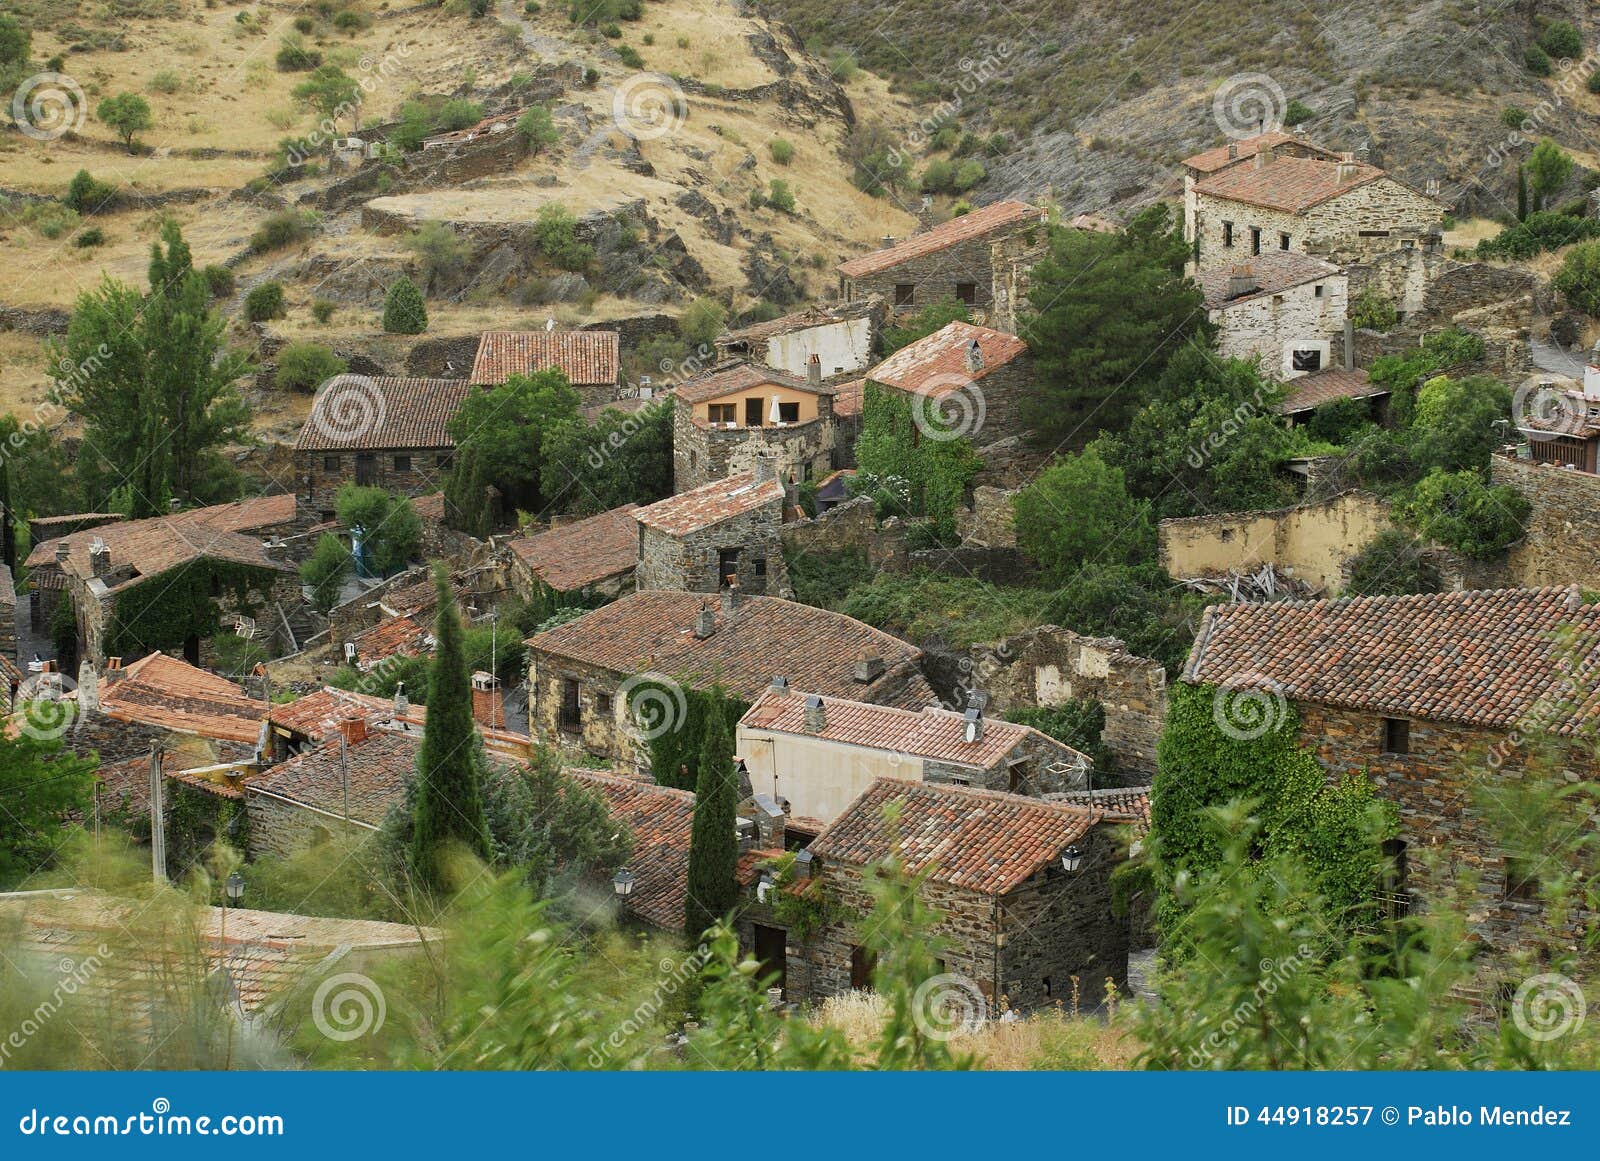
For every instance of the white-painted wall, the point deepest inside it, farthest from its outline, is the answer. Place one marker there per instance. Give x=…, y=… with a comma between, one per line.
x=839, y=346
x=819, y=778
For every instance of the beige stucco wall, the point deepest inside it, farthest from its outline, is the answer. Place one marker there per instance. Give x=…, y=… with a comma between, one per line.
x=765, y=392
x=1274, y=326
x=819, y=778
x=1311, y=542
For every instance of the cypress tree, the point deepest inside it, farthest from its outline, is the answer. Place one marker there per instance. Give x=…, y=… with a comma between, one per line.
x=449, y=798
x=8, y=528
x=713, y=847
x=404, y=312
x=1522, y=194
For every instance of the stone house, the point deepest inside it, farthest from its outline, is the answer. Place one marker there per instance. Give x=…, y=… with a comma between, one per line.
x=969, y=376
x=1015, y=924
x=725, y=420
x=383, y=432
x=589, y=359
x=492, y=126
x=950, y=261
x=97, y=566
x=818, y=754
x=1428, y=696
x=1285, y=308
x=723, y=534
x=841, y=336
x=579, y=673
x=1341, y=210
x=589, y=559
x=1562, y=545
x=1206, y=163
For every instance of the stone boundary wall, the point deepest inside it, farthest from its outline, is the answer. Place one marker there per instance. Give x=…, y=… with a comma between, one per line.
x=849, y=527
x=1562, y=546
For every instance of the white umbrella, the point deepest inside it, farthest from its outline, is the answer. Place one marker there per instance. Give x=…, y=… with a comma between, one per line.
x=776, y=414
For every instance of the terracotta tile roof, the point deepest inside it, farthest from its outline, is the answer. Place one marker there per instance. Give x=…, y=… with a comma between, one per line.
x=730, y=379
x=429, y=507
x=653, y=632
x=363, y=412
x=1321, y=387
x=1212, y=160
x=170, y=693
x=583, y=552
x=1272, y=271
x=1291, y=184
x=800, y=320
x=1481, y=658
x=979, y=840
x=709, y=504
x=848, y=401
x=660, y=819
x=1119, y=802
x=1559, y=410
x=391, y=637
x=317, y=715
x=936, y=365
x=126, y=784
x=587, y=358
x=378, y=768
x=932, y=732
x=143, y=548
x=997, y=216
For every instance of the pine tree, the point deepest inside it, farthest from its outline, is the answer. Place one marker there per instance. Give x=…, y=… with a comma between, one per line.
x=1522, y=194
x=449, y=793
x=713, y=847
x=404, y=312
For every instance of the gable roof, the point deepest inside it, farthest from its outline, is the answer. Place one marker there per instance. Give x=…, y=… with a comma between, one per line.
x=1119, y=802
x=932, y=732
x=318, y=714
x=583, y=552
x=653, y=632
x=1291, y=184
x=377, y=768
x=1319, y=387
x=980, y=840
x=363, y=412
x=997, y=216
x=732, y=378
x=1481, y=658
x=710, y=504
x=1222, y=156
x=586, y=358
x=936, y=364
x=168, y=692
x=660, y=819
x=801, y=320
x=1272, y=271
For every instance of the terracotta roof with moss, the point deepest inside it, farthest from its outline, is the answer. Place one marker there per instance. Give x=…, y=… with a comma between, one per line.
x=709, y=504
x=583, y=552
x=384, y=412
x=965, y=228
x=586, y=358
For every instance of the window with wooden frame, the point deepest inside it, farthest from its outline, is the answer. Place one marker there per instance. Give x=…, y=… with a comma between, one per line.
x=721, y=412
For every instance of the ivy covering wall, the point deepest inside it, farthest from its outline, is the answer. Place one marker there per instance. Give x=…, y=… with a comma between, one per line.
x=195, y=820
x=673, y=718
x=912, y=463
x=170, y=607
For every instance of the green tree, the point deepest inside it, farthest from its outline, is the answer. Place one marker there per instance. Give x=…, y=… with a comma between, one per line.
x=16, y=44
x=713, y=845
x=501, y=435
x=914, y=458
x=933, y=317
x=125, y=114
x=330, y=93
x=1549, y=167
x=1392, y=564
x=404, y=312
x=1578, y=280
x=154, y=386
x=391, y=528
x=615, y=460
x=306, y=366
x=445, y=256
x=1108, y=312
x=42, y=787
x=1461, y=511
x=702, y=321
x=1078, y=511
x=449, y=792
x=264, y=302
x=88, y=196
x=538, y=129
x=555, y=231
x=557, y=831
x=1453, y=426
x=324, y=571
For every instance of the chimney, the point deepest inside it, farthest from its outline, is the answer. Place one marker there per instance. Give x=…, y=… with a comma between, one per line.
x=869, y=668
x=1241, y=281
x=175, y=505
x=779, y=684
x=805, y=864
x=1347, y=167
x=972, y=725
x=113, y=672
x=766, y=467
x=354, y=731
x=1264, y=156
x=99, y=558
x=771, y=821
x=887, y=241
x=1233, y=151
x=402, y=704
x=88, y=688
x=925, y=214
x=730, y=599
x=814, y=370
x=816, y=718
x=275, y=548
x=705, y=623
x=488, y=707
x=63, y=550
x=974, y=357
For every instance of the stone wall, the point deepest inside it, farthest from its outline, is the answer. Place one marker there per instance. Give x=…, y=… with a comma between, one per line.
x=604, y=729
x=991, y=521
x=1310, y=542
x=690, y=563
x=277, y=828
x=1562, y=546
x=1384, y=208
x=1434, y=292
x=320, y=474
x=8, y=615
x=1308, y=317
x=800, y=451
x=934, y=277
x=1434, y=787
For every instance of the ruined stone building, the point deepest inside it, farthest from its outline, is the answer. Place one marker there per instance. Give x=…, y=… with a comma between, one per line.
x=972, y=378
x=385, y=432
x=587, y=560
x=840, y=335
x=723, y=534
x=1285, y=308
x=818, y=754
x=725, y=420
x=951, y=261
x=589, y=359
x=1429, y=696
x=1308, y=392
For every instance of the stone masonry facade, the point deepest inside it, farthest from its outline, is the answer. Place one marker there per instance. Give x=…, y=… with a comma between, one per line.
x=963, y=270
x=1274, y=327
x=1562, y=545
x=800, y=451
x=693, y=562
x=405, y=471
x=1358, y=225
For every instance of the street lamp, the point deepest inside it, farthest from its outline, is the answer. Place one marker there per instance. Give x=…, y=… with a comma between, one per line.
x=1071, y=859
x=234, y=888
x=622, y=883
x=764, y=886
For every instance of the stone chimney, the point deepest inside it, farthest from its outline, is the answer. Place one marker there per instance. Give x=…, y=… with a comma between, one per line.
x=972, y=724
x=766, y=465
x=869, y=668
x=886, y=241
x=705, y=623
x=779, y=684
x=925, y=214
x=1241, y=281
x=814, y=370
x=88, y=688
x=730, y=600
x=402, y=704
x=1233, y=151
x=1347, y=167
x=99, y=558
x=63, y=550
x=113, y=673
x=771, y=821
x=1265, y=156
x=275, y=548
x=488, y=706
x=974, y=357
x=815, y=716
x=354, y=731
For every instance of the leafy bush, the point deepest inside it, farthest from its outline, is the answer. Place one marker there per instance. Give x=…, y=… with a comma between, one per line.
x=1078, y=511
x=537, y=128
x=1297, y=113
x=1453, y=425
x=1537, y=61
x=219, y=280
x=458, y=113
x=322, y=309
x=1459, y=510
x=1578, y=280
x=1562, y=40
x=1512, y=117
x=324, y=571
x=824, y=579
x=1336, y=421
x=443, y=253
x=1393, y=564
x=284, y=228
x=969, y=174
x=843, y=67
x=555, y=231
x=779, y=196
x=1078, y=723
x=88, y=196
x=304, y=24
x=264, y=302
x=702, y=321
x=782, y=150
x=294, y=57
x=1370, y=310
x=938, y=176
x=393, y=529
x=1593, y=82
x=164, y=81
x=404, y=312
x=93, y=236
x=306, y=366
x=1543, y=230
x=351, y=21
